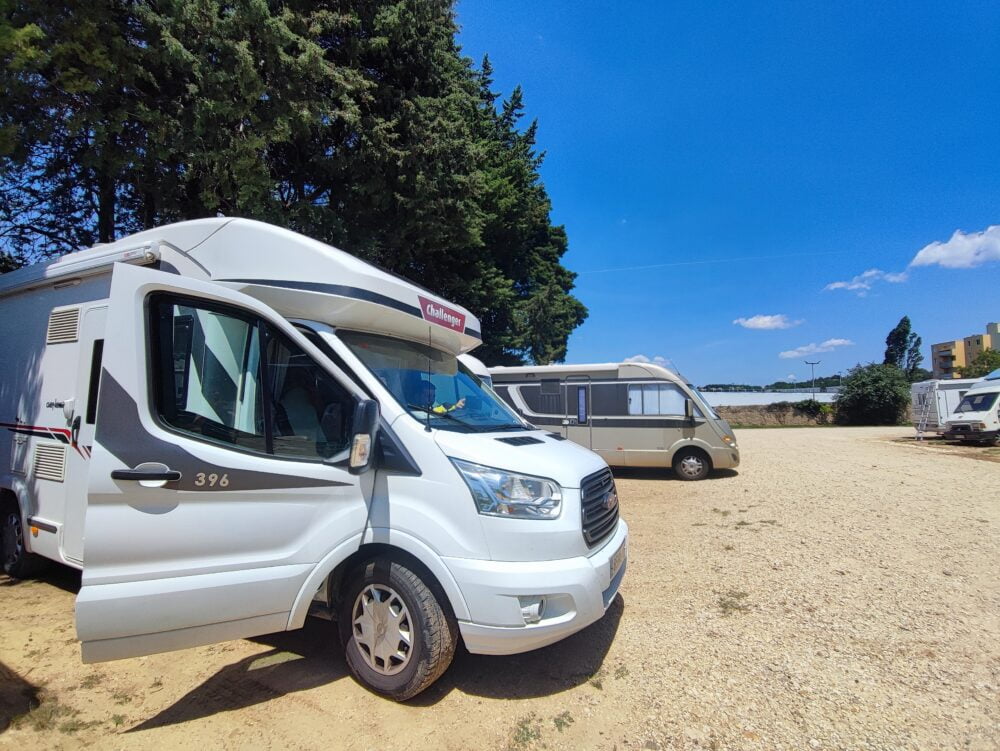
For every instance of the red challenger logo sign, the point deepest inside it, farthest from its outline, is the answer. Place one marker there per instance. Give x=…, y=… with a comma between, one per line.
x=442, y=315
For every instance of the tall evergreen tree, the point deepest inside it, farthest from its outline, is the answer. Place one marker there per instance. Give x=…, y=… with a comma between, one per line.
x=896, y=343
x=358, y=123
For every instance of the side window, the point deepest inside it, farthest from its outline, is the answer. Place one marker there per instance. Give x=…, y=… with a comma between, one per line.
x=552, y=397
x=231, y=379
x=310, y=413
x=207, y=372
x=581, y=404
x=671, y=400
x=635, y=400
x=96, y=356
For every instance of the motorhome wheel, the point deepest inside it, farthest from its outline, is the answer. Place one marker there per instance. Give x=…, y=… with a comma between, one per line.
x=18, y=563
x=397, y=638
x=691, y=464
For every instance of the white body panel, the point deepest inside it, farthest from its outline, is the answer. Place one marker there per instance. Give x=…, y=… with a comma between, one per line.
x=242, y=542
x=977, y=415
x=934, y=401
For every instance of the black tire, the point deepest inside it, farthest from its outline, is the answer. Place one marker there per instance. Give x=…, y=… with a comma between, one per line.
x=433, y=634
x=16, y=561
x=692, y=464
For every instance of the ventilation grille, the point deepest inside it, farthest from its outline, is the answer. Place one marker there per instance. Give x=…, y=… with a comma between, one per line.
x=50, y=462
x=63, y=325
x=525, y=440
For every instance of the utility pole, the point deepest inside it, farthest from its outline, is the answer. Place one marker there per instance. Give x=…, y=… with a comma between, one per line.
x=813, y=365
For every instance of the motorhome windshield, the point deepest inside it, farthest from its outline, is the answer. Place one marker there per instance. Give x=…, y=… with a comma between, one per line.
x=977, y=402
x=703, y=402
x=433, y=385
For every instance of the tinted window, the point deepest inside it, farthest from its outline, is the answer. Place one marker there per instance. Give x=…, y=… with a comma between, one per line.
x=227, y=377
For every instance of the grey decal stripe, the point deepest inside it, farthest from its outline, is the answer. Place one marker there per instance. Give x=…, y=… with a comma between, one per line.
x=121, y=432
x=342, y=290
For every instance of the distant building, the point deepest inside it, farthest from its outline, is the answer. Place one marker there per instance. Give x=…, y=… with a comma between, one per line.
x=947, y=357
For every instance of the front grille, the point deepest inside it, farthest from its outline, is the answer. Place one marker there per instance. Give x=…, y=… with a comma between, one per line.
x=599, y=521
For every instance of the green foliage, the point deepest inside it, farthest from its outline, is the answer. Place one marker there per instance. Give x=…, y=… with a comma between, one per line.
x=818, y=411
x=902, y=349
x=873, y=395
x=984, y=363
x=357, y=123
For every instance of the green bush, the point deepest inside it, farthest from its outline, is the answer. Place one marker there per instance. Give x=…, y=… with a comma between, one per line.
x=873, y=395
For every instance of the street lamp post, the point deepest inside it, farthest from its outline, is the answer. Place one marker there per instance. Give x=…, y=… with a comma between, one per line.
x=813, y=365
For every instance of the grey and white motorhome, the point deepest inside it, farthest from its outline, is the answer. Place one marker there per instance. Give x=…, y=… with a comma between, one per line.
x=977, y=417
x=631, y=414
x=229, y=426
x=935, y=400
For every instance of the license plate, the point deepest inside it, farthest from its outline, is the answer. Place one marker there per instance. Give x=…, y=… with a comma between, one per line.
x=619, y=558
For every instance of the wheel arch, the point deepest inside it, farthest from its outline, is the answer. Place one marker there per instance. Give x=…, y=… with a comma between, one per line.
x=379, y=542
x=695, y=449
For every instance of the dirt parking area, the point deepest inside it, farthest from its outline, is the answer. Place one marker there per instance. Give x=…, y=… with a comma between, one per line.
x=840, y=590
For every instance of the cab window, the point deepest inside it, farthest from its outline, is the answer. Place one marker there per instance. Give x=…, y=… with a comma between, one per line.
x=227, y=377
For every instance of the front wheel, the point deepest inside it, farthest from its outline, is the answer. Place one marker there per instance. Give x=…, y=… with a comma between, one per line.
x=17, y=562
x=691, y=464
x=397, y=638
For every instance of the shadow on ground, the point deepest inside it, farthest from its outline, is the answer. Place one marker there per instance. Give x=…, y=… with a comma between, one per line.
x=17, y=696
x=311, y=657
x=656, y=473
x=63, y=577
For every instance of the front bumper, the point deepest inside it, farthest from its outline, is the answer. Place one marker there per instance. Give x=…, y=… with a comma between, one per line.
x=578, y=591
x=727, y=457
x=970, y=435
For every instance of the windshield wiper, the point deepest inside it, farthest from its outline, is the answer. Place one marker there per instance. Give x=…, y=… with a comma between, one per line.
x=432, y=413
x=500, y=428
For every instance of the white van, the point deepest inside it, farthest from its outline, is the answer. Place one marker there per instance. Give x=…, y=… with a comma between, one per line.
x=229, y=426
x=632, y=414
x=977, y=417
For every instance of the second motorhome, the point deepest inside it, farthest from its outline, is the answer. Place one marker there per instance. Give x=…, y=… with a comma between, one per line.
x=228, y=426
x=977, y=417
x=631, y=414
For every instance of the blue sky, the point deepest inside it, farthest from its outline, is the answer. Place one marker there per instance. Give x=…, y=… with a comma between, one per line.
x=721, y=161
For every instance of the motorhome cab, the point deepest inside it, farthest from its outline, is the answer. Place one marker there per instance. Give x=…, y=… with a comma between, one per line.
x=228, y=426
x=631, y=414
x=977, y=416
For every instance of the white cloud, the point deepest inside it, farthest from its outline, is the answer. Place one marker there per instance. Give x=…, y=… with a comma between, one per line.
x=862, y=283
x=812, y=348
x=778, y=321
x=962, y=251
x=791, y=377
x=655, y=360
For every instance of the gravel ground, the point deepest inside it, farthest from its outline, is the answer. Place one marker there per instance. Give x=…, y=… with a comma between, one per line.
x=839, y=591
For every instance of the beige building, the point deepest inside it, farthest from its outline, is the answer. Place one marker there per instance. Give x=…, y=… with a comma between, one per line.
x=947, y=357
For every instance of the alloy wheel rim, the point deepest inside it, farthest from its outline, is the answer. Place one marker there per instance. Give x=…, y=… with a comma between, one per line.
x=691, y=466
x=12, y=538
x=383, y=630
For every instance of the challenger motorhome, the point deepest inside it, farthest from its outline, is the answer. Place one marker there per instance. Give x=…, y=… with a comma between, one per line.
x=228, y=426
x=977, y=417
x=632, y=414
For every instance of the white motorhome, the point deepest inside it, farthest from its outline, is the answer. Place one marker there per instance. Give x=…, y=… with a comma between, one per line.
x=977, y=416
x=228, y=426
x=632, y=414
x=935, y=400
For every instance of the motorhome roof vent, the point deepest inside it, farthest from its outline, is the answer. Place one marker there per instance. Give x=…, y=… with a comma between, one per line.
x=63, y=325
x=50, y=462
x=524, y=440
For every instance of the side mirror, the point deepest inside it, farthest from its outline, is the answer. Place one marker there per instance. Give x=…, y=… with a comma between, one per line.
x=365, y=431
x=689, y=410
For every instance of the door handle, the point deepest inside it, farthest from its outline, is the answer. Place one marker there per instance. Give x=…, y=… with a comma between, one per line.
x=165, y=475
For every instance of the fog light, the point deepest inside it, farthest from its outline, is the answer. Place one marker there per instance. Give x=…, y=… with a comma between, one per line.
x=532, y=608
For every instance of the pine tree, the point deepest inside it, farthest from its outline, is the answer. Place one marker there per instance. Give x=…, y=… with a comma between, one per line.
x=896, y=343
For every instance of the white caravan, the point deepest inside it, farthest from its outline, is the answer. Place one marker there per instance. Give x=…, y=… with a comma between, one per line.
x=935, y=400
x=632, y=414
x=977, y=417
x=229, y=426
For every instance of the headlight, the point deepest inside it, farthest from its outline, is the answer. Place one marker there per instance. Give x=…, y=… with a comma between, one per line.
x=729, y=440
x=500, y=493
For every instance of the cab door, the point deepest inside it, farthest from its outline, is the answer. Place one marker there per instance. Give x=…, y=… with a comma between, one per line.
x=218, y=475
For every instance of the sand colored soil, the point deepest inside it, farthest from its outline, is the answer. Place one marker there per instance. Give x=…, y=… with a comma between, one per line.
x=840, y=590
